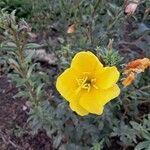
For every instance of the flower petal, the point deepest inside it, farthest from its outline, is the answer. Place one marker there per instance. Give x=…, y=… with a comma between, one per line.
x=91, y=101
x=75, y=106
x=86, y=62
x=66, y=83
x=95, y=100
x=109, y=94
x=108, y=77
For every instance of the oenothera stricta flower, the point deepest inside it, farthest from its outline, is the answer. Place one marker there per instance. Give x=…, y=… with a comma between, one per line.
x=87, y=85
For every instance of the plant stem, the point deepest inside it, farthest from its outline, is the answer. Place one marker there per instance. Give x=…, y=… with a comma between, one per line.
x=115, y=20
x=96, y=6
x=23, y=68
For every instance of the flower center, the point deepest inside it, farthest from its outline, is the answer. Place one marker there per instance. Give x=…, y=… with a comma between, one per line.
x=87, y=82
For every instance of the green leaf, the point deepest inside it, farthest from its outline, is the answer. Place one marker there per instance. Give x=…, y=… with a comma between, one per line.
x=110, y=14
x=98, y=146
x=57, y=140
x=16, y=78
x=8, y=46
x=148, y=147
x=146, y=135
x=38, y=90
x=142, y=145
x=21, y=94
x=29, y=56
x=135, y=125
x=12, y=61
x=30, y=71
x=32, y=46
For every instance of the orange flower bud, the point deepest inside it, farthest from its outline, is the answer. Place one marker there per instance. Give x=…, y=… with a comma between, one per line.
x=71, y=28
x=129, y=80
x=138, y=65
x=131, y=8
x=133, y=68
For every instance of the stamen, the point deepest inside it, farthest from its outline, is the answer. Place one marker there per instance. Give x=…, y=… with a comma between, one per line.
x=78, y=90
x=86, y=83
x=95, y=86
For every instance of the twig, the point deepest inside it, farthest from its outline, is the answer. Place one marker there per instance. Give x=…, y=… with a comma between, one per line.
x=145, y=87
x=95, y=7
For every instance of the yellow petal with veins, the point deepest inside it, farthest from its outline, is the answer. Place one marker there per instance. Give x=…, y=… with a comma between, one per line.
x=86, y=62
x=66, y=83
x=108, y=77
x=75, y=106
x=95, y=100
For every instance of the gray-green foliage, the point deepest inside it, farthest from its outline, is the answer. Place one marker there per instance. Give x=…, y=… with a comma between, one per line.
x=24, y=73
x=89, y=17
x=143, y=133
x=110, y=57
x=22, y=7
x=121, y=118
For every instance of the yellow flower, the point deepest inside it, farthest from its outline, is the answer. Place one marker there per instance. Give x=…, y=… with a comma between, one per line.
x=87, y=85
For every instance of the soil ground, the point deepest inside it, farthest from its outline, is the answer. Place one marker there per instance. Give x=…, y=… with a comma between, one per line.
x=13, y=121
